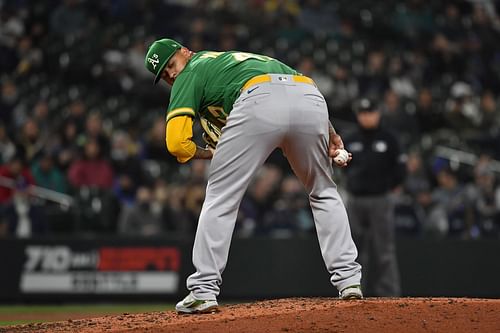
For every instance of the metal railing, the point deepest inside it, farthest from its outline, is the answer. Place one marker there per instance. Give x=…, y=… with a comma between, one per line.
x=463, y=157
x=40, y=192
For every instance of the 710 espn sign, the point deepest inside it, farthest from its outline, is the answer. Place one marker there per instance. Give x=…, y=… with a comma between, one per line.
x=102, y=270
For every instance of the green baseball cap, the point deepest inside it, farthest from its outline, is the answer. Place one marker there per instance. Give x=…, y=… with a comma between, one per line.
x=159, y=54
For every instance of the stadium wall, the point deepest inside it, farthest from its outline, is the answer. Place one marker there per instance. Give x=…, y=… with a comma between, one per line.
x=116, y=269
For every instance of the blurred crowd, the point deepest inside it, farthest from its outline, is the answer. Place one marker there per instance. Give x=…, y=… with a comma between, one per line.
x=80, y=119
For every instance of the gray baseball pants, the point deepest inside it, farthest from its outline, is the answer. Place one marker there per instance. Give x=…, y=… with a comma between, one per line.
x=294, y=117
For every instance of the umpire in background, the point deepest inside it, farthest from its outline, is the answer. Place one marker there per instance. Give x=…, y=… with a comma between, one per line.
x=377, y=168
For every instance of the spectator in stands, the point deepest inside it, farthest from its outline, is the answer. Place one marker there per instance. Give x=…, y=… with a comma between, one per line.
x=489, y=113
x=23, y=218
x=38, y=33
x=124, y=188
x=150, y=214
x=429, y=117
x=462, y=108
x=346, y=31
x=483, y=34
x=417, y=177
x=318, y=17
x=227, y=39
x=138, y=219
x=286, y=29
x=193, y=200
x=197, y=172
x=19, y=216
x=91, y=178
x=452, y=211
x=76, y=113
x=57, y=216
x=11, y=29
x=485, y=192
x=12, y=26
x=30, y=57
x=66, y=145
x=161, y=205
x=345, y=90
x=398, y=119
x=14, y=175
x=92, y=170
x=198, y=43
x=416, y=198
x=484, y=137
x=450, y=22
x=135, y=60
x=418, y=67
x=279, y=8
x=40, y=115
x=176, y=203
x=68, y=19
x=32, y=140
x=94, y=131
x=258, y=200
x=11, y=113
x=445, y=57
x=47, y=174
x=413, y=20
x=399, y=79
x=291, y=213
x=127, y=167
x=7, y=147
x=374, y=82
x=154, y=143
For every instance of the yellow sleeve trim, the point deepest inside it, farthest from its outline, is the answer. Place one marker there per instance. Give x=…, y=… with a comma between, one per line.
x=179, y=134
x=180, y=112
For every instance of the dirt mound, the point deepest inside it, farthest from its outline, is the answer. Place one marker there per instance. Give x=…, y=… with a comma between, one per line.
x=303, y=315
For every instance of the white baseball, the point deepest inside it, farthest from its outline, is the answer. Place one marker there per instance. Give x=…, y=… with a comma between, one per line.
x=342, y=156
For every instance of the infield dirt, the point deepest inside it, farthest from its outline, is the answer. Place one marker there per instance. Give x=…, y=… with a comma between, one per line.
x=302, y=315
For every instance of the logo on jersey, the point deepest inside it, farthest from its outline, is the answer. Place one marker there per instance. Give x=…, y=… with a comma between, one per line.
x=154, y=60
x=249, y=91
x=380, y=146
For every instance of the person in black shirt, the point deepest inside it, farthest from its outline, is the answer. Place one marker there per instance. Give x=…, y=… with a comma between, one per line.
x=377, y=168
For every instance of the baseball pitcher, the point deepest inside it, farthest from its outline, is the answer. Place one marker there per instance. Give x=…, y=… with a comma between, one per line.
x=250, y=104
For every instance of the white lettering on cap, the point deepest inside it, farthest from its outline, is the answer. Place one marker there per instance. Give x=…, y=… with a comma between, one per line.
x=154, y=60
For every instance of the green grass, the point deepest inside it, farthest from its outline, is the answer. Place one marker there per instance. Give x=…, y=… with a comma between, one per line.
x=18, y=322
x=36, y=313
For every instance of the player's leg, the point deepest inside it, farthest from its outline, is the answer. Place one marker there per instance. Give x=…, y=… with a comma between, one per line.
x=244, y=146
x=306, y=148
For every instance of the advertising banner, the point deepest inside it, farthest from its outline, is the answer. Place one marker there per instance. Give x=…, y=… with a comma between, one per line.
x=100, y=269
x=77, y=266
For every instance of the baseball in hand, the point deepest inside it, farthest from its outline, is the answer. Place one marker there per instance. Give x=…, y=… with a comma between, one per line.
x=341, y=157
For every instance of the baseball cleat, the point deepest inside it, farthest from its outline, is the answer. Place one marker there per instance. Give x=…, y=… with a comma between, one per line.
x=192, y=305
x=351, y=292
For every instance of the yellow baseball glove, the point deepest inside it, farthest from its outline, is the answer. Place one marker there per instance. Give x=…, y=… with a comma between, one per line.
x=211, y=132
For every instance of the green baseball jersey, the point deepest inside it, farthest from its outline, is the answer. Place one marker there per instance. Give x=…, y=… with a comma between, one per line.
x=211, y=82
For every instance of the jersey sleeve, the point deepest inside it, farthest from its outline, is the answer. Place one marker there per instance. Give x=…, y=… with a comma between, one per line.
x=179, y=134
x=185, y=97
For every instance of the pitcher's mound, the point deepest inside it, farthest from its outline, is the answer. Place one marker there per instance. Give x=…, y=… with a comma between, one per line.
x=303, y=315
